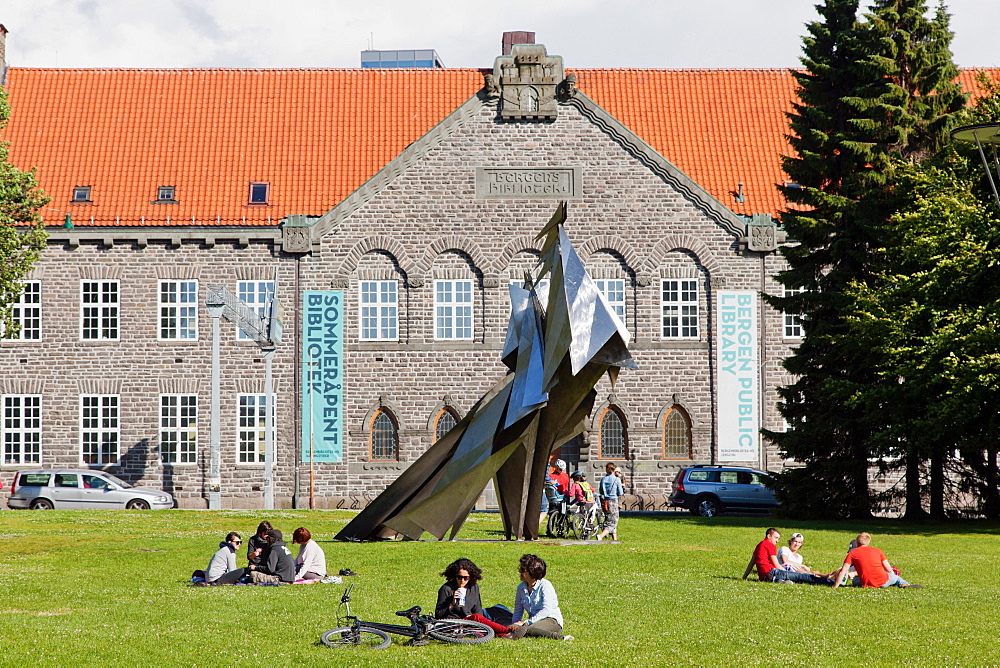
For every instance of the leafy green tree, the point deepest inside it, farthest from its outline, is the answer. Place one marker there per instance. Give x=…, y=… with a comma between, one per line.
x=870, y=91
x=22, y=235
x=933, y=322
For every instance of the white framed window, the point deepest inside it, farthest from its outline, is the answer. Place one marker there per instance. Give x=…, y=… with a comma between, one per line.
x=22, y=429
x=99, y=306
x=613, y=290
x=378, y=302
x=178, y=311
x=252, y=428
x=257, y=295
x=99, y=425
x=679, y=308
x=453, y=310
x=541, y=289
x=792, y=323
x=27, y=312
x=81, y=193
x=178, y=428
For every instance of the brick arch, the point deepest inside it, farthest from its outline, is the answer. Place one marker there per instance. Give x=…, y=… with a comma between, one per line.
x=387, y=404
x=691, y=244
x=442, y=245
x=385, y=244
x=513, y=247
x=611, y=243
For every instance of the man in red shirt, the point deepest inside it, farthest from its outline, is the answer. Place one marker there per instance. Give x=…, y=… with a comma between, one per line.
x=765, y=558
x=873, y=568
x=560, y=477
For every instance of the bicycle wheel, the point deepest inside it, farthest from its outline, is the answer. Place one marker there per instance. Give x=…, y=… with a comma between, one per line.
x=347, y=637
x=572, y=521
x=557, y=525
x=462, y=631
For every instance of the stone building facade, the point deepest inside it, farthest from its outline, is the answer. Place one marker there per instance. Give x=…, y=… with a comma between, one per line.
x=419, y=257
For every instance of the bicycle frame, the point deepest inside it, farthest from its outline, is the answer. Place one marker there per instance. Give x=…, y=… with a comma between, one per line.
x=417, y=630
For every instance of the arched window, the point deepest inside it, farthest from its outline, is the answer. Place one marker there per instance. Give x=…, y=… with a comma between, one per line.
x=446, y=420
x=676, y=434
x=385, y=440
x=614, y=439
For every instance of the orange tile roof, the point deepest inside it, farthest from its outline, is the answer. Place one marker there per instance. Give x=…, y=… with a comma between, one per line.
x=315, y=135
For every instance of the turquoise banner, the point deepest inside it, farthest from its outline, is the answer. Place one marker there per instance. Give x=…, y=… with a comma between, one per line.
x=322, y=376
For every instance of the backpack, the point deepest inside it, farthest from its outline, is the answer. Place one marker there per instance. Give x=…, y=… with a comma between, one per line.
x=588, y=491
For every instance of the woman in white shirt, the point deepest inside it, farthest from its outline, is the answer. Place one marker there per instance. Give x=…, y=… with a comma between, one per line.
x=311, y=562
x=791, y=560
x=536, y=598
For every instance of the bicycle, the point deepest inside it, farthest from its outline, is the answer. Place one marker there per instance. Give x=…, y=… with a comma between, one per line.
x=354, y=633
x=563, y=519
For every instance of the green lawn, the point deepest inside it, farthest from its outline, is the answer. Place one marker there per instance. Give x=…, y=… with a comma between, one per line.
x=110, y=587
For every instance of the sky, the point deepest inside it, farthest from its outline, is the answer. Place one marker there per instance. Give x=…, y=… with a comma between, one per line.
x=465, y=33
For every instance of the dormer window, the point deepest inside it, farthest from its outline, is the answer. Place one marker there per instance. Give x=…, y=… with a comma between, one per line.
x=165, y=194
x=258, y=193
x=81, y=194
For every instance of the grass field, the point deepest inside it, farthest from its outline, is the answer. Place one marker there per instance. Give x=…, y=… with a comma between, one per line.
x=110, y=587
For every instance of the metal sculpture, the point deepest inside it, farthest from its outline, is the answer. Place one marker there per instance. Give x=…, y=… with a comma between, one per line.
x=556, y=355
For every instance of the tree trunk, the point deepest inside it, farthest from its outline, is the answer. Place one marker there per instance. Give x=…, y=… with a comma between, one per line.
x=991, y=504
x=914, y=503
x=937, y=484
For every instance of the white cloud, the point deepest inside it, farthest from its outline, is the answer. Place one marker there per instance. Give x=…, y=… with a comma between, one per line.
x=332, y=33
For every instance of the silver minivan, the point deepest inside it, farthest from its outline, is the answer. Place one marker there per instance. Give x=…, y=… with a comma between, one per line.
x=68, y=489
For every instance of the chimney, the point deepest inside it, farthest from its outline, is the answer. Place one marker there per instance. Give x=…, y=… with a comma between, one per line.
x=516, y=37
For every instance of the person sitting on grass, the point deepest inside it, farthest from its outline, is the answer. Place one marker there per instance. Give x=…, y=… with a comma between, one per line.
x=223, y=562
x=536, y=598
x=459, y=598
x=311, y=562
x=791, y=559
x=257, y=545
x=280, y=565
x=765, y=558
x=874, y=570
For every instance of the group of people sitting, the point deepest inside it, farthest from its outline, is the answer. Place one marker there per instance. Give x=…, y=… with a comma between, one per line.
x=269, y=561
x=536, y=606
x=864, y=566
x=574, y=490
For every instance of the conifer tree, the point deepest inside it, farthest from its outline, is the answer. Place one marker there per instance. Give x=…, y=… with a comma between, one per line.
x=870, y=92
x=22, y=236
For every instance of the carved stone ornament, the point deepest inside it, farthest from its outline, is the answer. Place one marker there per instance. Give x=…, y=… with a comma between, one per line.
x=296, y=239
x=528, y=80
x=415, y=281
x=762, y=234
x=491, y=282
x=340, y=283
x=643, y=279
x=491, y=89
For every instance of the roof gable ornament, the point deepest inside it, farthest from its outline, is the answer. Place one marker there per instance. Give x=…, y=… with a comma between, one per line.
x=527, y=80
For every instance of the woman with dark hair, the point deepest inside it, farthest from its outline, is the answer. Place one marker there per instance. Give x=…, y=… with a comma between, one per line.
x=536, y=598
x=311, y=562
x=257, y=546
x=458, y=597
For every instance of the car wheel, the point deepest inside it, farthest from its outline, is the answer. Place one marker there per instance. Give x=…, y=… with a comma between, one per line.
x=137, y=504
x=41, y=504
x=707, y=506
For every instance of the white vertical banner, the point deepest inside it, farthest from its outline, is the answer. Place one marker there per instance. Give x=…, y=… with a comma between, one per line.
x=738, y=389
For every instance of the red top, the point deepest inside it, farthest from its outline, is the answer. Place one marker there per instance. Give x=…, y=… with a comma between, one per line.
x=762, y=558
x=562, y=482
x=867, y=561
